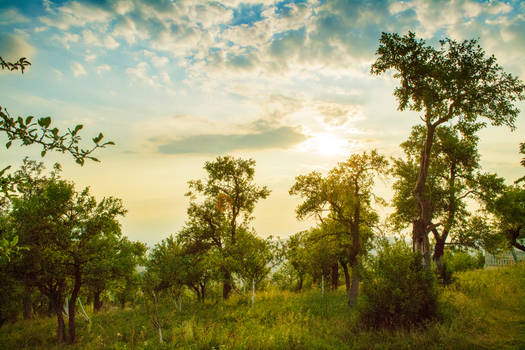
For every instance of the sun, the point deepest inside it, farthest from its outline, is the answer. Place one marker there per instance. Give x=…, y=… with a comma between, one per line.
x=326, y=145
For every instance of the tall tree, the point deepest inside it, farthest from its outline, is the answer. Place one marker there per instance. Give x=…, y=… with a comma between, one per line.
x=452, y=178
x=344, y=196
x=228, y=197
x=455, y=83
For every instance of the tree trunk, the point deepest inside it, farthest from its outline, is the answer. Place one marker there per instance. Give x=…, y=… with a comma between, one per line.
x=226, y=284
x=347, y=276
x=439, y=250
x=203, y=291
x=421, y=243
x=355, y=251
x=335, y=276
x=354, y=287
x=514, y=234
x=28, y=306
x=421, y=225
x=300, y=285
x=72, y=304
x=97, y=303
x=57, y=303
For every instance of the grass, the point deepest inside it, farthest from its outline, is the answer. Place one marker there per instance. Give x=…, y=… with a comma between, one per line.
x=483, y=309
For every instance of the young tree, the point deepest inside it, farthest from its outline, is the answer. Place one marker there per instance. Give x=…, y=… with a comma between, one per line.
x=455, y=83
x=345, y=197
x=115, y=263
x=228, y=199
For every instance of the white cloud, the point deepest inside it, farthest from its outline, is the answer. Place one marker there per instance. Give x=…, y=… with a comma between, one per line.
x=74, y=14
x=157, y=61
x=12, y=16
x=90, y=57
x=66, y=38
x=140, y=72
x=103, y=68
x=78, y=69
x=107, y=41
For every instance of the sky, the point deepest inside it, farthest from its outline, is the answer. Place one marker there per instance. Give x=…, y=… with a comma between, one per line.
x=177, y=83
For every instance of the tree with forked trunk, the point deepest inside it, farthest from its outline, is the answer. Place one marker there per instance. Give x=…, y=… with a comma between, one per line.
x=455, y=83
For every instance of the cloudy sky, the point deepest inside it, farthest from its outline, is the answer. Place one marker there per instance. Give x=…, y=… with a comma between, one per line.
x=176, y=83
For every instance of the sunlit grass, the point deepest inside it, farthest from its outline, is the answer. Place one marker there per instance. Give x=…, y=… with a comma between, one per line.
x=484, y=309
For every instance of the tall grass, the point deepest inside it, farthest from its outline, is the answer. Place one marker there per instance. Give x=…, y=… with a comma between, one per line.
x=483, y=309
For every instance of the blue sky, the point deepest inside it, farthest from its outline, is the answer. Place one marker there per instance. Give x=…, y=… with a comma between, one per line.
x=176, y=83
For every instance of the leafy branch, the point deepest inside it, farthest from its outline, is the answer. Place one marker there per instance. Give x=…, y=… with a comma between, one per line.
x=39, y=131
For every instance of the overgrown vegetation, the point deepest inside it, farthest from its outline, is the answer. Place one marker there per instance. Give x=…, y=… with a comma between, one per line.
x=482, y=309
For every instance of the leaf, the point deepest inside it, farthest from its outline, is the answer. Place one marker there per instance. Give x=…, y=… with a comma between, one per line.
x=7, y=145
x=44, y=122
x=43, y=153
x=98, y=138
x=77, y=129
x=29, y=119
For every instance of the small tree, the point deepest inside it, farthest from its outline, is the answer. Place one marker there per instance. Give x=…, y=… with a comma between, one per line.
x=345, y=197
x=228, y=197
x=398, y=291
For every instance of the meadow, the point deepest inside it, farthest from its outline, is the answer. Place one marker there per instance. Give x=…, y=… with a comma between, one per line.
x=482, y=309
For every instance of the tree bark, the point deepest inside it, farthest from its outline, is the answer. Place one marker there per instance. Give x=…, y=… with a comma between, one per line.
x=335, y=276
x=226, y=284
x=97, y=303
x=58, y=308
x=439, y=250
x=420, y=228
x=72, y=303
x=28, y=307
x=347, y=276
x=354, y=287
x=355, y=250
x=300, y=285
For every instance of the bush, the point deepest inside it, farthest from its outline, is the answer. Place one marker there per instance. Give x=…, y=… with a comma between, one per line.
x=462, y=261
x=397, y=290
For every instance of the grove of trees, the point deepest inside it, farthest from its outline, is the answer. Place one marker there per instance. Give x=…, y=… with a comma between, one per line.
x=62, y=248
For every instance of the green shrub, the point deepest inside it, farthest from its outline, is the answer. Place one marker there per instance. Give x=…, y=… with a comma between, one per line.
x=397, y=290
x=463, y=261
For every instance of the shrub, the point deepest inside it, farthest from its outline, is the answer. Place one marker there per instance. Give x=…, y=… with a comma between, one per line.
x=397, y=290
x=462, y=261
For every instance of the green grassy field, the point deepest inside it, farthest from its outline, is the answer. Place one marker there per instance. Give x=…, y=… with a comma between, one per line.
x=483, y=309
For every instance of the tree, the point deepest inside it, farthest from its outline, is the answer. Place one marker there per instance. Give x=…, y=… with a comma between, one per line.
x=228, y=199
x=116, y=262
x=63, y=231
x=509, y=213
x=344, y=196
x=456, y=84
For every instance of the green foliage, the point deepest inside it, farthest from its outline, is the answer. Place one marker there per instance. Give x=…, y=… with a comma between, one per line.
x=459, y=261
x=455, y=80
x=398, y=291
